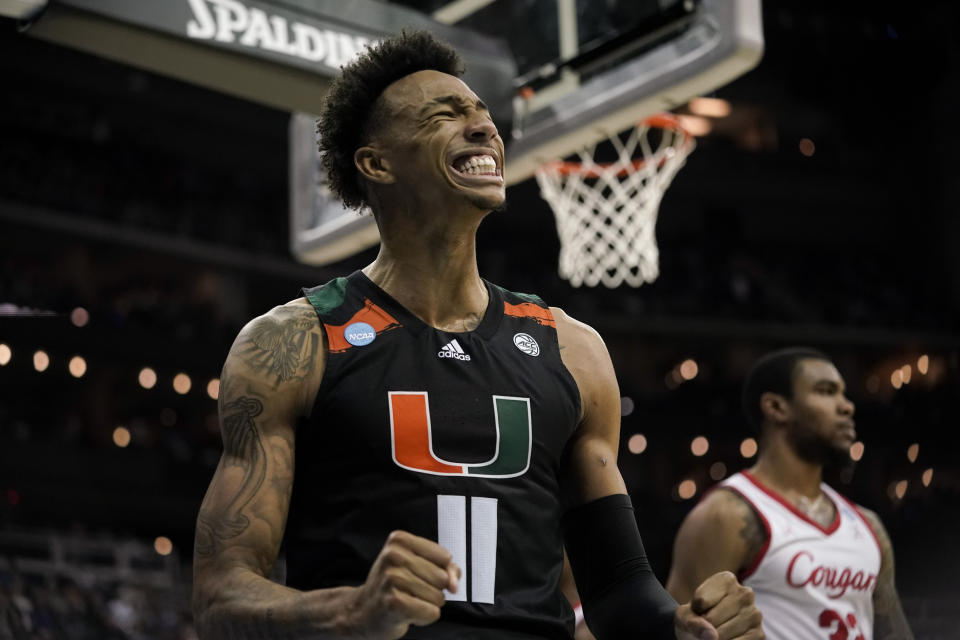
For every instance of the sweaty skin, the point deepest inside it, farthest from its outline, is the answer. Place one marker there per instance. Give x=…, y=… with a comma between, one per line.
x=718, y=606
x=428, y=213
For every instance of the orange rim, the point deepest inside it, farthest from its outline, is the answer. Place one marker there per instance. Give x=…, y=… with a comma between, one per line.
x=658, y=121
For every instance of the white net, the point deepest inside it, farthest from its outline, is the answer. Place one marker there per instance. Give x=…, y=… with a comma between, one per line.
x=607, y=212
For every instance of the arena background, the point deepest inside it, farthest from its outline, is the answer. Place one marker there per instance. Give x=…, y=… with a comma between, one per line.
x=143, y=221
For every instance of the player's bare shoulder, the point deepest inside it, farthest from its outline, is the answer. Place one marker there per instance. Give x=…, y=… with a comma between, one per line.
x=282, y=349
x=581, y=347
x=728, y=520
x=721, y=533
x=742, y=516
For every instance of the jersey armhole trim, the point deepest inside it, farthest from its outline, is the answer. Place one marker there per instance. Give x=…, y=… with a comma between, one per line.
x=762, y=552
x=866, y=521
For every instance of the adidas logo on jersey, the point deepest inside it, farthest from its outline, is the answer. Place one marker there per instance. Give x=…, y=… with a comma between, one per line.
x=453, y=350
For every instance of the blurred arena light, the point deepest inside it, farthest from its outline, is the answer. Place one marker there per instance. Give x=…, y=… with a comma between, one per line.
x=626, y=406
x=748, y=448
x=79, y=317
x=807, y=147
x=709, y=107
x=923, y=364
x=689, y=369
x=5, y=354
x=121, y=436
x=699, y=446
x=695, y=125
x=637, y=443
x=163, y=545
x=77, y=366
x=913, y=451
x=671, y=380
x=687, y=489
x=856, y=451
x=41, y=360
x=147, y=378
x=906, y=372
x=900, y=489
x=213, y=388
x=896, y=378
x=927, y=477
x=182, y=383
x=718, y=471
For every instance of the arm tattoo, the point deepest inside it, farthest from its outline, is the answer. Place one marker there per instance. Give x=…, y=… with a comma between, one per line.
x=752, y=532
x=285, y=349
x=240, y=439
x=889, y=621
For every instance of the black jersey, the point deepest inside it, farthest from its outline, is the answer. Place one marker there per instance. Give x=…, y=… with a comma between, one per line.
x=456, y=437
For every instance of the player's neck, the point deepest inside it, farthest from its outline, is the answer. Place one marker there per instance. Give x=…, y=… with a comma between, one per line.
x=434, y=275
x=780, y=468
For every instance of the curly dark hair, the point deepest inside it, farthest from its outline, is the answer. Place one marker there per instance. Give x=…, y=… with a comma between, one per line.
x=773, y=372
x=349, y=112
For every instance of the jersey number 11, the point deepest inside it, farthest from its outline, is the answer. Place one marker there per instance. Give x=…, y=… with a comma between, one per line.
x=481, y=571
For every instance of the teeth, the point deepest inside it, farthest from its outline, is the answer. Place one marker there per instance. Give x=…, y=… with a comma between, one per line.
x=475, y=165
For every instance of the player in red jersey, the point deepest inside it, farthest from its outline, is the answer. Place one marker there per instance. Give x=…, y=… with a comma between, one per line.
x=820, y=566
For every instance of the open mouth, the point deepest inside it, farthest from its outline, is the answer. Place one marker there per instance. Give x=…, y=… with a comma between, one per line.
x=476, y=165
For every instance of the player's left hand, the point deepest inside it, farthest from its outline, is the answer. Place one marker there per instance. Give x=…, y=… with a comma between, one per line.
x=721, y=609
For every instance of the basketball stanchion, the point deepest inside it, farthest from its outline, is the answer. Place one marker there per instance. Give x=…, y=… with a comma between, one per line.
x=606, y=212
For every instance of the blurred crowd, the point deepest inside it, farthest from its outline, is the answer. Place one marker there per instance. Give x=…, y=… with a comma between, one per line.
x=34, y=607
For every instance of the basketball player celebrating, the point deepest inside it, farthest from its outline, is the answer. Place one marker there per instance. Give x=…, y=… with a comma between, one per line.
x=423, y=442
x=820, y=566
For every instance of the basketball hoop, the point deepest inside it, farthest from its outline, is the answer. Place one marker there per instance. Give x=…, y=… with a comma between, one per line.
x=606, y=212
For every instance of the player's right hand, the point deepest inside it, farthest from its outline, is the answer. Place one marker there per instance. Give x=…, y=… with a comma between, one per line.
x=404, y=587
x=721, y=609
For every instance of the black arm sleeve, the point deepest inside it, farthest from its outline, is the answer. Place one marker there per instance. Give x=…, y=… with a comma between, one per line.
x=621, y=597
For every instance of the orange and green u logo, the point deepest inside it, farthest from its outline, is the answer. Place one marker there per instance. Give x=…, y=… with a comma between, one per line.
x=412, y=438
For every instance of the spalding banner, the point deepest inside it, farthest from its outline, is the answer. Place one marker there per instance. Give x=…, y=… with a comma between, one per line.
x=249, y=26
x=279, y=54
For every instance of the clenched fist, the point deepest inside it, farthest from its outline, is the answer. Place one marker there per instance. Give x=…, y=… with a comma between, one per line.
x=404, y=587
x=721, y=609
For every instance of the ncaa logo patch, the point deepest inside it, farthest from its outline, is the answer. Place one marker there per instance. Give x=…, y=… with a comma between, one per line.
x=359, y=334
x=526, y=343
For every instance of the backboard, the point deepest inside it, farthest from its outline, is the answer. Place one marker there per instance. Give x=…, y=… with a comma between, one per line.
x=586, y=70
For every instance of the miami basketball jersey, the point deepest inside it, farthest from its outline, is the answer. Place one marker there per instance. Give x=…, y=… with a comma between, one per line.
x=811, y=581
x=456, y=437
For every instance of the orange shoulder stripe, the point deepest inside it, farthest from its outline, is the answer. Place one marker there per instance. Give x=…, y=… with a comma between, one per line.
x=373, y=315
x=535, y=312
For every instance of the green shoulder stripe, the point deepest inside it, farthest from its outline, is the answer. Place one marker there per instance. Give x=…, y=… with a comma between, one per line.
x=526, y=297
x=327, y=297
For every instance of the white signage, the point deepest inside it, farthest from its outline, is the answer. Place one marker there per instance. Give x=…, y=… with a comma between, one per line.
x=234, y=22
